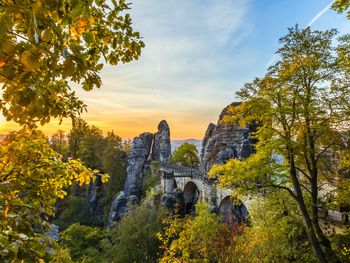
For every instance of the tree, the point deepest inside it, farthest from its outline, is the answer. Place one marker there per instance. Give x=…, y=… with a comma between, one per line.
x=76, y=135
x=301, y=106
x=202, y=238
x=104, y=153
x=91, y=147
x=83, y=242
x=113, y=163
x=186, y=155
x=276, y=233
x=134, y=239
x=32, y=177
x=187, y=239
x=45, y=45
x=59, y=143
x=342, y=6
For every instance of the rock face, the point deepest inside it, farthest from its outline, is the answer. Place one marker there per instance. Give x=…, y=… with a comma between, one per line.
x=53, y=233
x=174, y=202
x=162, y=146
x=145, y=148
x=95, y=194
x=119, y=207
x=140, y=150
x=224, y=141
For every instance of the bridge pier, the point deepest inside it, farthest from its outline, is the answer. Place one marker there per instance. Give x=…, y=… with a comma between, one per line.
x=168, y=180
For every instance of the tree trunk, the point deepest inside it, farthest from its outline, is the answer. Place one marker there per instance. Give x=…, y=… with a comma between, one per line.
x=305, y=215
x=332, y=257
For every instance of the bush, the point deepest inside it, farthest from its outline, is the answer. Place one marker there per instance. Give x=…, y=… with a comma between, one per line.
x=134, y=237
x=84, y=242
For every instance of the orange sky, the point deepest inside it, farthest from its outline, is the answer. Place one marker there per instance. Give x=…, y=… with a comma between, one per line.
x=127, y=128
x=185, y=122
x=196, y=56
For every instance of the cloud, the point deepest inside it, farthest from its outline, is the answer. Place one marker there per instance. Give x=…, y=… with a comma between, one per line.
x=184, y=74
x=319, y=14
x=183, y=68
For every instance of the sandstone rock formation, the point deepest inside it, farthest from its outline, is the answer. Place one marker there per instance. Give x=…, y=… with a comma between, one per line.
x=224, y=141
x=162, y=146
x=145, y=148
x=139, y=152
x=174, y=202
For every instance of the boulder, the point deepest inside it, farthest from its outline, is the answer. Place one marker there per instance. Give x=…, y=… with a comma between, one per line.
x=118, y=209
x=174, y=202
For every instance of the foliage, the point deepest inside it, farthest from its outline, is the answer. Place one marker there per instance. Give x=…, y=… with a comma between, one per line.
x=186, y=240
x=75, y=211
x=45, y=45
x=61, y=255
x=96, y=151
x=113, y=163
x=186, y=155
x=134, y=238
x=84, y=242
x=342, y=6
x=277, y=233
x=301, y=106
x=76, y=135
x=32, y=177
x=341, y=243
x=59, y=143
x=151, y=179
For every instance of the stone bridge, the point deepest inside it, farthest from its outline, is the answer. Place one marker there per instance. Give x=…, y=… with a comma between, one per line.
x=196, y=186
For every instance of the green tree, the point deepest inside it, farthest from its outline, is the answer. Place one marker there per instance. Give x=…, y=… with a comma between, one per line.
x=191, y=238
x=134, y=239
x=186, y=155
x=96, y=151
x=91, y=147
x=276, y=234
x=59, y=142
x=76, y=135
x=45, y=45
x=85, y=244
x=113, y=163
x=75, y=211
x=32, y=177
x=342, y=6
x=301, y=105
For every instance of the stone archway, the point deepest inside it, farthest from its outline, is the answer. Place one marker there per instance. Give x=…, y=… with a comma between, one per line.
x=191, y=195
x=175, y=184
x=233, y=212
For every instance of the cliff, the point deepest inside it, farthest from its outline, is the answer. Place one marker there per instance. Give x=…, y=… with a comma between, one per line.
x=224, y=141
x=145, y=148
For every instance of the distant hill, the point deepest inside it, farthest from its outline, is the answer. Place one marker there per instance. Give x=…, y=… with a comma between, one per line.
x=176, y=143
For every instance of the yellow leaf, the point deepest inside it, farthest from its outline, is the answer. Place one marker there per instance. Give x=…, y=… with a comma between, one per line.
x=6, y=211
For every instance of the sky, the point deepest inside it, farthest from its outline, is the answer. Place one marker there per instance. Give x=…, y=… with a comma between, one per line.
x=198, y=54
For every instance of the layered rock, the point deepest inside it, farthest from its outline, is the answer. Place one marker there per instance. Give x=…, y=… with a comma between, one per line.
x=225, y=141
x=145, y=148
x=140, y=150
x=162, y=145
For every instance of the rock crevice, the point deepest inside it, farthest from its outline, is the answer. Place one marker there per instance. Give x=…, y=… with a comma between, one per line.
x=145, y=148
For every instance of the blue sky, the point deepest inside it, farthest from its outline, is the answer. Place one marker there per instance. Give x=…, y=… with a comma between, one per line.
x=198, y=53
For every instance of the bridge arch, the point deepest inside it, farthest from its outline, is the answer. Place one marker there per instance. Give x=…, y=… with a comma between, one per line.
x=191, y=195
x=233, y=211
